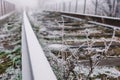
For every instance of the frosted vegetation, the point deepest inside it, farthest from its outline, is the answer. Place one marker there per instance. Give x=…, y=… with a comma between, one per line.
x=10, y=48
x=78, y=50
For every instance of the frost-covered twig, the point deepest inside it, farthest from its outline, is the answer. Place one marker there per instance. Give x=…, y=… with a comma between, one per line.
x=108, y=46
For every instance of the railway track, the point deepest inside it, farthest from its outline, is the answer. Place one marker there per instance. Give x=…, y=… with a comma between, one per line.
x=109, y=21
x=71, y=43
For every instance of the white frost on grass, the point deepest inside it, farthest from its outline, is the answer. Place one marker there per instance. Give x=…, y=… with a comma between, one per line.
x=109, y=71
x=43, y=29
x=57, y=47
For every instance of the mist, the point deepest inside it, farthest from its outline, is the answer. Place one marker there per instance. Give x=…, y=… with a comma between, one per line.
x=25, y=3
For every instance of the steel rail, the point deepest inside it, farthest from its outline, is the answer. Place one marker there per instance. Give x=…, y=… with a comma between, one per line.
x=40, y=66
x=100, y=19
x=93, y=22
x=5, y=17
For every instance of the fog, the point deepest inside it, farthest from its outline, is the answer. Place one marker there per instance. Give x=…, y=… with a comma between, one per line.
x=36, y=3
x=42, y=4
x=25, y=3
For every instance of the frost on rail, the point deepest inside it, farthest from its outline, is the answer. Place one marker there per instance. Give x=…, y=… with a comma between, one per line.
x=40, y=66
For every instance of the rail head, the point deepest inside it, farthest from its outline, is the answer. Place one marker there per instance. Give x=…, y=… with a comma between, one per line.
x=90, y=15
x=41, y=68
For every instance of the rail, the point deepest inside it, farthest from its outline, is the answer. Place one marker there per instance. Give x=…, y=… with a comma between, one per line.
x=5, y=17
x=101, y=19
x=39, y=64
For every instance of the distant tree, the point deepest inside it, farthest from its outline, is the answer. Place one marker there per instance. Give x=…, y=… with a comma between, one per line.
x=108, y=7
x=117, y=10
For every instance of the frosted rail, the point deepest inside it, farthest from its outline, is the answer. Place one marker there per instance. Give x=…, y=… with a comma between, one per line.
x=41, y=69
x=6, y=15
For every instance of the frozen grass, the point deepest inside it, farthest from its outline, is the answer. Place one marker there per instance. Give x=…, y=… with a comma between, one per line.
x=10, y=54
